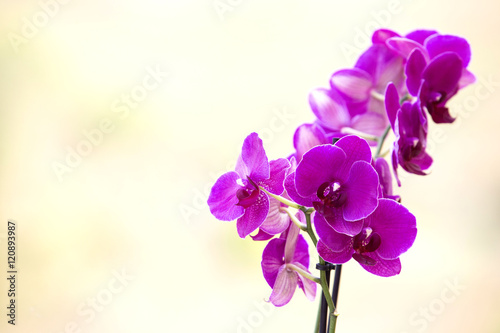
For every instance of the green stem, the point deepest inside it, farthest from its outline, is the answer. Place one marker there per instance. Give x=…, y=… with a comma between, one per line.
x=294, y=219
x=328, y=297
x=283, y=200
x=348, y=130
x=384, y=153
x=333, y=322
x=318, y=318
x=405, y=98
x=304, y=273
x=378, y=96
x=310, y=231
x=323, y=282
x=381, y=141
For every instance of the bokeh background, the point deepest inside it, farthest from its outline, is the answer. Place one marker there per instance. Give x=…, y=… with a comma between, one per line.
x=121, y=239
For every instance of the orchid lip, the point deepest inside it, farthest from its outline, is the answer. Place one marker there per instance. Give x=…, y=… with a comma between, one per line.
x=332, y=197
x=331, y=194
x=366, y=241
x=248, y=194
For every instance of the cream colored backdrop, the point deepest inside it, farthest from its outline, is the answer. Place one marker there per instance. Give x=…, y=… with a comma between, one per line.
x=117, y=116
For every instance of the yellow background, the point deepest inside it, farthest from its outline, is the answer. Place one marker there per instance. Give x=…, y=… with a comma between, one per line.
x=136, y=202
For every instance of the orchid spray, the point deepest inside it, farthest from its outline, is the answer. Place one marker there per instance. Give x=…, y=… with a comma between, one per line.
x=337, y=186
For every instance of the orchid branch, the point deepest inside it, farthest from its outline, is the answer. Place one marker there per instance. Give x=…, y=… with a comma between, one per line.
x=323, y=279
x=381, y=141
x=318, y=319
x=283, y=200
x=366, y=136
x=377, y=96
x=296, y=221
x=304, y=273
x=328, y=297
x=309, y=230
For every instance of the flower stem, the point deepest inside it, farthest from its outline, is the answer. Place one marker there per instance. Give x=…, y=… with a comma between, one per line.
x=335, y=295
x=323, y=280
x=381, y=141
x=318, y=318
x=366, y=136
x=304, y=273
x=309, y=230
x=295, y=220
x=405, y=98
x=326, y=294
x=283, y=200
x=333, y=322
x=378, y=96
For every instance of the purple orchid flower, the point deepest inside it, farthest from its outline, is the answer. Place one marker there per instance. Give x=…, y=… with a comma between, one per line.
x=430, y=44
x=339, y=182
x=365, y=84
x=435, y=83
x=334, y=114
x=386, y=234
x=355, y=98
x=280, y=259
x=409, y=123
x=237, y=194
x=375, y=68
x=436, y=68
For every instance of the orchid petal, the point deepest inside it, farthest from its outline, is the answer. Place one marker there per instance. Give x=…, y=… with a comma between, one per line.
x=278, y=171
x=222, y=199
x=354, y=84
x=306, y=137
x=253, y=161
x=382, y=267
x=383, y=65
x=392, y=104
x=384, y=173
x=334, y=257
x=276, y=221
x=440, y=44
x=370, y=122
x=284, y=287
x=414, y=69
x=443, y=73
x=334, y=240
x=395, y=161
x=355, y=149
x=417, y=165
x=272, y=259
x=330, y=108
x=396, y=227
x=291, y=242
x=262, y=236
x=362, y=191
x=420, y=36
x=338, y=223
x=405, y=46
x=254, y=216
x=308, y=286
x=318, y=165
x=292, y=192
x=381, y=35
x=466, y=79
x=302, y=252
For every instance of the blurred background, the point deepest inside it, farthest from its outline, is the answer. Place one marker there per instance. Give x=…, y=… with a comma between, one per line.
x=116, y=117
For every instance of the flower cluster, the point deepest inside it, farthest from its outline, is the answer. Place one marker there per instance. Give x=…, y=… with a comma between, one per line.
x=337, y=185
